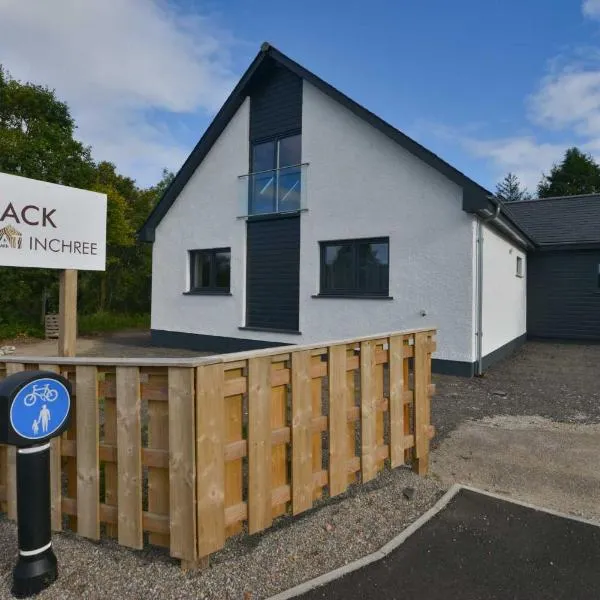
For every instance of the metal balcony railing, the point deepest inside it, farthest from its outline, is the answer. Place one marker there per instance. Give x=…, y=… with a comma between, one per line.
x=273, y=192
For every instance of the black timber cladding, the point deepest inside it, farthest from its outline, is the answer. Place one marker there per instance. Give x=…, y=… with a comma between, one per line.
x=275, y=103
x=273, y=273
x=563, y=295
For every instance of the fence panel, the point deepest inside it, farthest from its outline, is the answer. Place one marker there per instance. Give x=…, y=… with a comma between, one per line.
x=188, y=452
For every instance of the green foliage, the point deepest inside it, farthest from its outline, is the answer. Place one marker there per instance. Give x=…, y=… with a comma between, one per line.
x=510, y=190
x=578, y=173
x=104, y=321
x=10, y=331
x=36, y=140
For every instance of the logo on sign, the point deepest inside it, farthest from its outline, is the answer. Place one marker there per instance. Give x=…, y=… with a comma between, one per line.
x=10, y=237
x=40, y=408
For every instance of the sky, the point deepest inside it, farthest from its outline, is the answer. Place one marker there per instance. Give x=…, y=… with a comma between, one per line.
x=491, y=87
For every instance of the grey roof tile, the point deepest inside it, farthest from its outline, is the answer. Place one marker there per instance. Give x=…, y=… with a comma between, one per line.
x=564, y=220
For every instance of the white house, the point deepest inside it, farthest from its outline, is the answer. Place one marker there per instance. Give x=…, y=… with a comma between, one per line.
x=301, y=216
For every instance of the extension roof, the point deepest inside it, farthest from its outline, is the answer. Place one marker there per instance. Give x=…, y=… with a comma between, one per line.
x=559, y=221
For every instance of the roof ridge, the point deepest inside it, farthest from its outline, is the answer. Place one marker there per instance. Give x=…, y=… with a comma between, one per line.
x=574, y=196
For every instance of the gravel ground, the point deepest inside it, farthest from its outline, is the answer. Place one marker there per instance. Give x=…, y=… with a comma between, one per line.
x=549, y=380
x=556, y=381
x=248, y=568
x=122, y=344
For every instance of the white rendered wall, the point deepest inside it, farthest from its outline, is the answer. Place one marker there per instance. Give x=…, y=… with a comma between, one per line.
x=204, y=216
x=504, y=294
x=359, y=184
x=362, y=184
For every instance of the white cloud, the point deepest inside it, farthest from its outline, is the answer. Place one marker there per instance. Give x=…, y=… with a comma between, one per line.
x=122, y=66
x=522, y=155
x=591, y=8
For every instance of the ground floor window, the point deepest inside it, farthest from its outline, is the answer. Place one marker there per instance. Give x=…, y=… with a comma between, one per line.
x=357, y=267
x=210, y=270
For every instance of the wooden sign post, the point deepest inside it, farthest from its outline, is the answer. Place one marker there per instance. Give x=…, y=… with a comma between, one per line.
x=67, y=320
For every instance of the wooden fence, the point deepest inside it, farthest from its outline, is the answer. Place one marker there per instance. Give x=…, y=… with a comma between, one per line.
x=185, y=453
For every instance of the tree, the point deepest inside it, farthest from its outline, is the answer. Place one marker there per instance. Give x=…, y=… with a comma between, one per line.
x=37, y=141
x=510, y=190
x=578, y=173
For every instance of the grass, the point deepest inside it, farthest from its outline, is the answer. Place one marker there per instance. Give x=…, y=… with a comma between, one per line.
x=15, y=330
x=101, y=322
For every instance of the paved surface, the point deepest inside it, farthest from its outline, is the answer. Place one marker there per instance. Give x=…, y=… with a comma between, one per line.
x=482, y=548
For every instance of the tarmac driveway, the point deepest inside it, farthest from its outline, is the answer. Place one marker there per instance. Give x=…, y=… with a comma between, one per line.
x=530, y=428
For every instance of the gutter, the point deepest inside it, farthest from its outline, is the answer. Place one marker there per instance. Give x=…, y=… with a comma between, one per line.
x=481, y=221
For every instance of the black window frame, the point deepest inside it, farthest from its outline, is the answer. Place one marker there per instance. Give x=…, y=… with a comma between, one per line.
x=212, y=288
x=355, y=291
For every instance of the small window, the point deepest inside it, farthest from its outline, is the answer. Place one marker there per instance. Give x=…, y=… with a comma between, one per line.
x=519, y=266
x=210, y=270
x=355, y=267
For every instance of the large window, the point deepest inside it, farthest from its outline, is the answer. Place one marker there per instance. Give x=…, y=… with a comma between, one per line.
x=210, y=271
x=276, y=176
x=355, y=267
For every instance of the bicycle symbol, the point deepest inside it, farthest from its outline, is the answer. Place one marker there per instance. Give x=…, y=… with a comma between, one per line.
x=40, y=392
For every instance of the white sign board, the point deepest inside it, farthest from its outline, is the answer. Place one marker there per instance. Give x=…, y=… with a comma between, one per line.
x=51, y=226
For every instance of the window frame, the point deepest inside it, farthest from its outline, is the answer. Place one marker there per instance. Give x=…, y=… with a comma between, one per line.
x=276, y=171
x=355, y=291
x=212, y=288
x=519, y=270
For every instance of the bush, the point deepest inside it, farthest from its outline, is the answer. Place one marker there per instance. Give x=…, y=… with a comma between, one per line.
x=100, y=322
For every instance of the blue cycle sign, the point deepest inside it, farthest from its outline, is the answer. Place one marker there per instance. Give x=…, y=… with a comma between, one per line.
x=40, y=408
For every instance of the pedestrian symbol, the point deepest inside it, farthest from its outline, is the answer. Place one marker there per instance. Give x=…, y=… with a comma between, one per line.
x=40, y=408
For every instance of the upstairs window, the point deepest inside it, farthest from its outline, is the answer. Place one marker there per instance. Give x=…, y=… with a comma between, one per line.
x=276, y=176
x=355, y=267
x=210, y=271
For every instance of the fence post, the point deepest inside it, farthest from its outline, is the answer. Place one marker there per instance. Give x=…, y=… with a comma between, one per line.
x=421, y=419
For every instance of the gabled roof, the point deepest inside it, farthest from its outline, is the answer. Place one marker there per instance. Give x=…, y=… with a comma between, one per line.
x=565, y=220
x=476, y=199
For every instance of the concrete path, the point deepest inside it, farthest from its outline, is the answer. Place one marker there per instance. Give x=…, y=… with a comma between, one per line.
x=550, y=464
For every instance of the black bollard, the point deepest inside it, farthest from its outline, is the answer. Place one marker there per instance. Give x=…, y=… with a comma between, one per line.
x=35, y=406
x=36, y=568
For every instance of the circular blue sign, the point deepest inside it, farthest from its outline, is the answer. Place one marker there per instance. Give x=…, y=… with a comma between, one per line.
x=40, y=408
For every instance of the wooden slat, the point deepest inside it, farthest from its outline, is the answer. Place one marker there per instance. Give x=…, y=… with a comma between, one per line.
x=11, y=459
x=2, y=476
x=236, y=386
x=379, y=412
x=182, y=464
x=88, y=474
x=210, y=456
x=396, y=401
x=69, y=466
x=421, y=417
x=111, y=476
x=129, y=450
x=158, y=478
x=318, y=369
x=368, y=411
x=302, y=461
x=109, y=514
x=233, y=434
x=259, y=444
x=351, y=407
x=55, y=471
x=67, y=335
x=278, y=421
x=338, y=437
